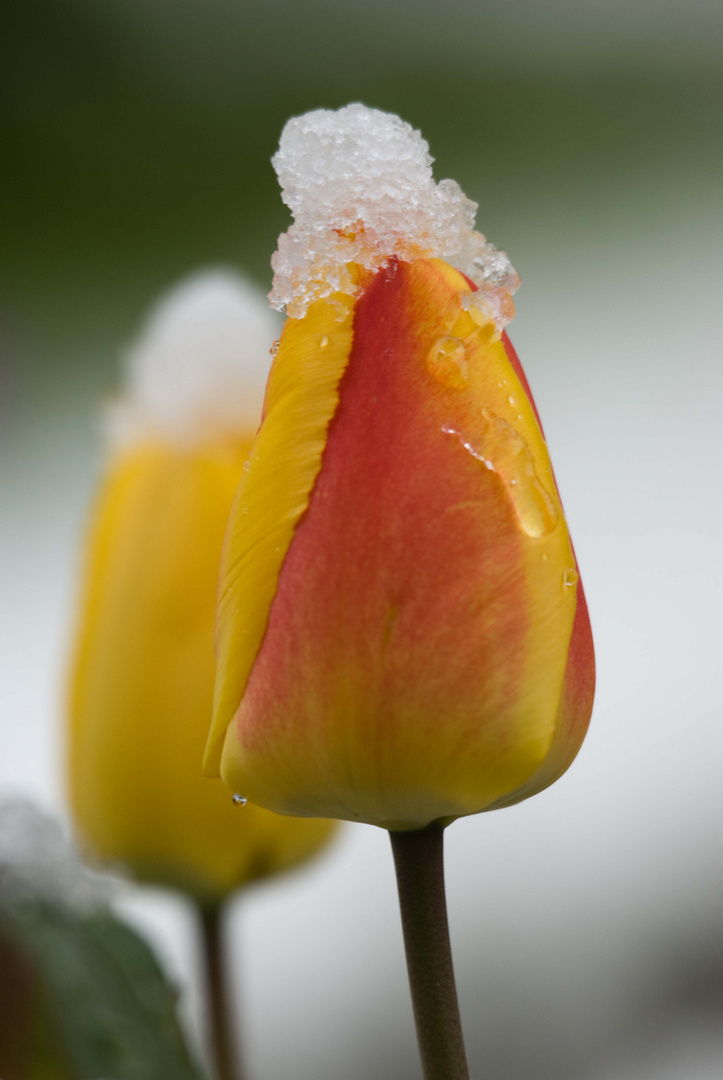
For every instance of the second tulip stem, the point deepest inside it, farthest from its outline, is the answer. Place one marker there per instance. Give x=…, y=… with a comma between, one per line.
x=419, y=862
x=221, y=1044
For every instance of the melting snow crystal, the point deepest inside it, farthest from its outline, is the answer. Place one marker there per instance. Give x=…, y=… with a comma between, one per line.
x=359, y=185
x=200, y=366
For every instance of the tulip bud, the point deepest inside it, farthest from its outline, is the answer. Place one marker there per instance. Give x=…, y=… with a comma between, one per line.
x=142, y=679
x=402, y=634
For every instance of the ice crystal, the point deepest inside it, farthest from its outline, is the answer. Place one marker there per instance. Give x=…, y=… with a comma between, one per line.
x=360, y=187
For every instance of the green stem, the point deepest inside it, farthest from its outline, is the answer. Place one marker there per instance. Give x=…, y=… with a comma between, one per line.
x=221, y=1042
x=419, y=862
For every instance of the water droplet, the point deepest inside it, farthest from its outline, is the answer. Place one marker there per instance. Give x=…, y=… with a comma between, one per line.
x=274, y=348
x=447, y=361
x=501, y=449
x=546, y=556
x=512, y=399
x=238, y=800
x=570, y=577
x=469, y=448
x=323, y=342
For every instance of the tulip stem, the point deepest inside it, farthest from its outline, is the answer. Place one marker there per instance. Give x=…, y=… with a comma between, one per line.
x=419, y=862
x=220, y=1034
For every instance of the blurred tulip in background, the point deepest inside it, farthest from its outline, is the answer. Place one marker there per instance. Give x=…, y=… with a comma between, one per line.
x=143, y=673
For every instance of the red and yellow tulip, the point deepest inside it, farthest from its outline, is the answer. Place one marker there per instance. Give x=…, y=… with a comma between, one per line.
x=402, y=635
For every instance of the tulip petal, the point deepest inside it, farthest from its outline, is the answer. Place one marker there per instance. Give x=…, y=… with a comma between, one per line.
x=574, y=711
x=413, y=658
x=301, y=399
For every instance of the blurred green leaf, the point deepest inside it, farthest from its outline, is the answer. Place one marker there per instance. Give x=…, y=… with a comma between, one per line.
x=81, y=995
x=84, y=990
x=31, y=1045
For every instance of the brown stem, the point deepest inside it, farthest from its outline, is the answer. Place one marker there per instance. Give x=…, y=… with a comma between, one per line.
x=419, y=862
x=221, y=1041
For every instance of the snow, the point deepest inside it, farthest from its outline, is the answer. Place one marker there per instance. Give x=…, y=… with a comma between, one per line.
x=199, y=367
x=360, y=187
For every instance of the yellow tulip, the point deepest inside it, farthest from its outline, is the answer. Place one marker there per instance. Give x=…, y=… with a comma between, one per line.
x=143, y=672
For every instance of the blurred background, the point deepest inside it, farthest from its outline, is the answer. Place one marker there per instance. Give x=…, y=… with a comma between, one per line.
x=587, y=922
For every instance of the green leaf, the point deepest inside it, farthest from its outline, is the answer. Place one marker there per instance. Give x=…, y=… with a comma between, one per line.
x=31, y=1046
x=81, y=995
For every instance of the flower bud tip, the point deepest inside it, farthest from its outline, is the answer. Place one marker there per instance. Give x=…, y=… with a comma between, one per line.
x=359, y=185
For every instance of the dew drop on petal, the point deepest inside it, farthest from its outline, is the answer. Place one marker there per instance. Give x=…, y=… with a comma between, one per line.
x=570, y=577
x=470, y=448
x=323, y=342
x=238, y=800
x=501, y=449
x=447, y=361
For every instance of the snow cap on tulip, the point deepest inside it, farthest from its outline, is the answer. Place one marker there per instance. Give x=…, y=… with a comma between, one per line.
x=359, y=184
x=199, y=366
x=402, y=636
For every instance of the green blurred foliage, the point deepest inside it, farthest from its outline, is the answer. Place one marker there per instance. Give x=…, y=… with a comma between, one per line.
x=82, y=997
x=137, y=136
x=31, y=1044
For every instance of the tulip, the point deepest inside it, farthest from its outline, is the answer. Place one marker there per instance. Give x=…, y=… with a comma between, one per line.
x=142, y=678
x=402, y=635
x=413, y=643
x=142, y=681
